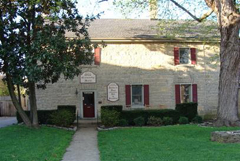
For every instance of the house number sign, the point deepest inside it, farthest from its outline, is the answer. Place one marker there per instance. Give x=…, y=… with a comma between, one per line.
x=112, y=90
x=88, y=77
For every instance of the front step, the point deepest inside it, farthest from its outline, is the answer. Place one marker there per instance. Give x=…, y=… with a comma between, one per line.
x=87, y=123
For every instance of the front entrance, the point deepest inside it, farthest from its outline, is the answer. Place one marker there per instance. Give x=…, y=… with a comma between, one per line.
x=88, y=105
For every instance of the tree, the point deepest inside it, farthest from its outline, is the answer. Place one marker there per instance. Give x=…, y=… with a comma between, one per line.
x=228, y=17
x=34, y=50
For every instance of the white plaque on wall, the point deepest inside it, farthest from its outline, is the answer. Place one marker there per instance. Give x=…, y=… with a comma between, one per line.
x=88, y=77
x=112, y=90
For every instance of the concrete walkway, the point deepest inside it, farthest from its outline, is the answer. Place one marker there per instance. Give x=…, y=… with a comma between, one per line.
x=83, y=146
x=6, y=121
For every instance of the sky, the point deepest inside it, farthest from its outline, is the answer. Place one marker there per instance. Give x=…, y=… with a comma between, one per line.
x=109, y=11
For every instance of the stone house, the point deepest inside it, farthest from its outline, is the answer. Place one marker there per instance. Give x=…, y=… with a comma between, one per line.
x=140, y=69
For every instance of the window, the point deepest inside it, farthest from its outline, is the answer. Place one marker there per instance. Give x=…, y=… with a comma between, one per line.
x=185, y=93
x=184, y=56
x=137, y=95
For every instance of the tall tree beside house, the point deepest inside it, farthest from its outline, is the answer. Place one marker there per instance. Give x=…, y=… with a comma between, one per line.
x=227, y=13
x=34, y=50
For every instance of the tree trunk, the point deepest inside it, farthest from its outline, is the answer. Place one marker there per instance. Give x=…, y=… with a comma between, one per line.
x=227, y=114
x=33, y=104
x=16, y=103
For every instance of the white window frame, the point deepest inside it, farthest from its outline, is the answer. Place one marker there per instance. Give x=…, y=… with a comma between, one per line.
x=191, y=94
x=189, y=58
x=132, y=102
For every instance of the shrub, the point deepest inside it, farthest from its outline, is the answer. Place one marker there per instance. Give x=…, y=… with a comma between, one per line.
x=109, y=118
x=43, y=116
x=139, y=121
x=62, y=118
x=197, y=119
x=188, y=110
x=130, y=115
x=154, y=121
x=167, y=121
x=123, y=122
x=183, y=120
x=70, y=108
x=117, y=108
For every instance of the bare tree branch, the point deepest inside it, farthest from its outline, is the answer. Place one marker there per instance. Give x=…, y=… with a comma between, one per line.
x=190, y=14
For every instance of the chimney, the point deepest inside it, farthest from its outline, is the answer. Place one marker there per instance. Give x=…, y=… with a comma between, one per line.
x=153, y=9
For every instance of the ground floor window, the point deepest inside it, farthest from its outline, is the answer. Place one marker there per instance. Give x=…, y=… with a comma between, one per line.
x=137, y=95
x=185, y=93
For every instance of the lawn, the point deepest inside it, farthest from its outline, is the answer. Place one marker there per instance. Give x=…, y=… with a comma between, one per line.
x=169, y=143
x=19, y=143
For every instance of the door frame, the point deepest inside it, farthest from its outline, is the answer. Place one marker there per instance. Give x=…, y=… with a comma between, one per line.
x=95, y=104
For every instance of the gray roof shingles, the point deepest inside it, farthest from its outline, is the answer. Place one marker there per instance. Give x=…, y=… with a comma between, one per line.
x=150, y=29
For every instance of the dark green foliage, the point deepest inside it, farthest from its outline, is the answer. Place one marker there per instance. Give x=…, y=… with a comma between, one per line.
x=183, y=120
x=62, y=118
x=70, y=108
x=123, y=122
x=197, y=119
x=130, y=115
x=188, y=110
x=139, y=121
x=109, y=118
x=154, y=121
x=43, y=116
x=113, y=107
x=167, y=121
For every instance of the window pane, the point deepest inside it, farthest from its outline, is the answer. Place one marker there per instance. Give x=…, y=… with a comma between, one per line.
x=137, y=94
x=184, y=55
x=186, y=93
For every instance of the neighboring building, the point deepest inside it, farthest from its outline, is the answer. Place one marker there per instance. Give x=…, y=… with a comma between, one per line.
x=141, y=69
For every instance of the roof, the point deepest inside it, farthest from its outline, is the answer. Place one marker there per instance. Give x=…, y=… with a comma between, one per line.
x=147, y=29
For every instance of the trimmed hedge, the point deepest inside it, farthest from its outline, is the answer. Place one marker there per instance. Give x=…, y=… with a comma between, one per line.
x=188, y=110
x=70, y=108
x=43, y=116
x=117, y=108
x=131, y=115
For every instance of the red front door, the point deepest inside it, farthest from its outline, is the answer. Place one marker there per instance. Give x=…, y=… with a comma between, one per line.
x=88, y=105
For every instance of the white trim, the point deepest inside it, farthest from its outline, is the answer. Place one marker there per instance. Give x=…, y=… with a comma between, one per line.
x=81, y=103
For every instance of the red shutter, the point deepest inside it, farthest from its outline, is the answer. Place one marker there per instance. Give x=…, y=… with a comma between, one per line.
x=146, y=95
x=128, y=95
x=194, y=93
x=193, y=56
x=176, y=56
x=97, y=56
x=177, y=93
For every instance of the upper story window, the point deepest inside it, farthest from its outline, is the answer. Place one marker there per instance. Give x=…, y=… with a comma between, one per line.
x=96, y=58
x=185, y=56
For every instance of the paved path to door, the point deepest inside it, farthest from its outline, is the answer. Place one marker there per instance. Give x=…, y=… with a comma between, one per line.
x=83, y=146
x=6, y=121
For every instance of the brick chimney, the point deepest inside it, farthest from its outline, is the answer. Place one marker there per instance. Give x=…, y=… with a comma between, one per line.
x=153, y=9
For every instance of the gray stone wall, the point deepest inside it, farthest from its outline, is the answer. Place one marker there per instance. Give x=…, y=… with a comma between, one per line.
x=147, y=63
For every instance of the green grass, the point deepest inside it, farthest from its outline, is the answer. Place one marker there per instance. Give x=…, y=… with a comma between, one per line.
x=169, y=143
x=19, y=143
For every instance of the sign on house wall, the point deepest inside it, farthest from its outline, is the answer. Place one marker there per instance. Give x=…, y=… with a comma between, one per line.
x=112, y=90
x=88, y=77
